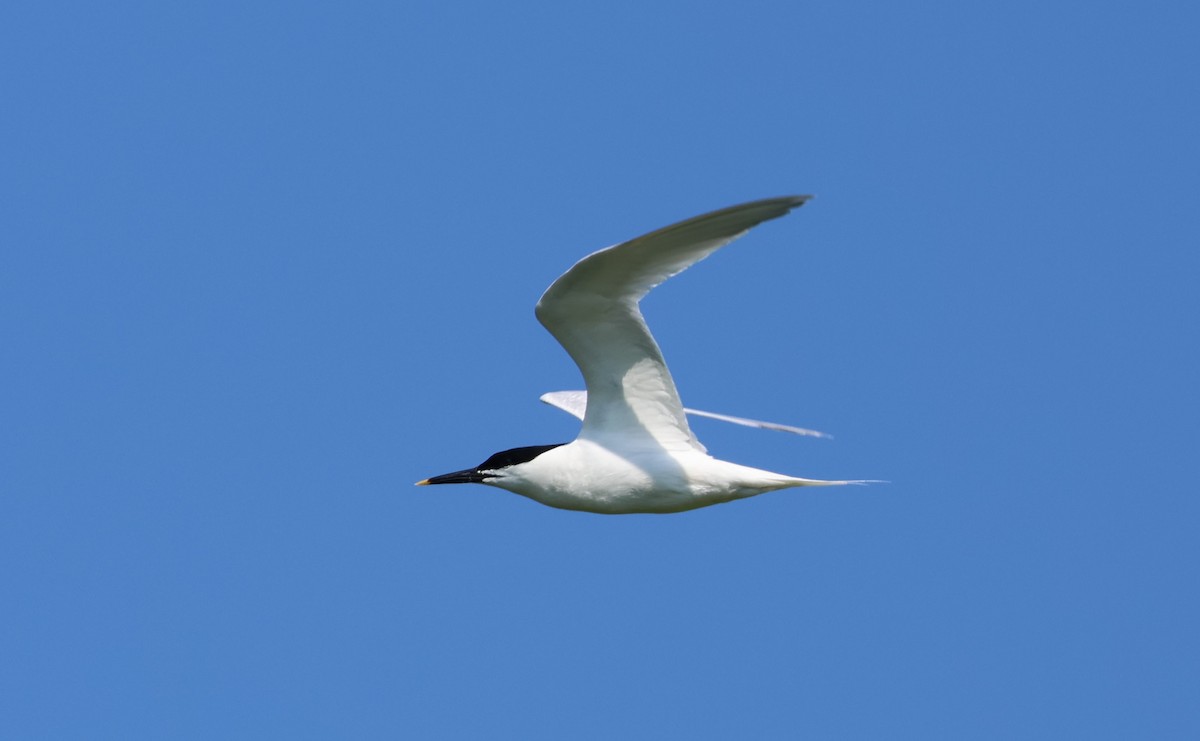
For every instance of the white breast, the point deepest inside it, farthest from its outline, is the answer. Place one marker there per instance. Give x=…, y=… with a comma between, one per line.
x=588, y=476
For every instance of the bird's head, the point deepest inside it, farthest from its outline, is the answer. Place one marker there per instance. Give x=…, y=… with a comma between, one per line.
x=491, y=469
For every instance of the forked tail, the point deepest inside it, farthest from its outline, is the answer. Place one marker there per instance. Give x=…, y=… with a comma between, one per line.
x=819, y=482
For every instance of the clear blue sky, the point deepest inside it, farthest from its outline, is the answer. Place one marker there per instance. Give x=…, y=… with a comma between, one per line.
x=266, y=264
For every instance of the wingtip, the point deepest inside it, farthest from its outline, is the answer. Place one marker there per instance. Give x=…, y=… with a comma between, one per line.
x=787, y=203
x=794, y=201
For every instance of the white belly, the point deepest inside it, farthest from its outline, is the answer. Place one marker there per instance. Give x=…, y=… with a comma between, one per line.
x=586, y=476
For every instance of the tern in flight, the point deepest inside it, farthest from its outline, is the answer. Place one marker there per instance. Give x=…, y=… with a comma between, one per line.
x=635, y=451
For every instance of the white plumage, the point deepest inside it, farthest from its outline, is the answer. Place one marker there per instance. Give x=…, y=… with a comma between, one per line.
x=635, y=451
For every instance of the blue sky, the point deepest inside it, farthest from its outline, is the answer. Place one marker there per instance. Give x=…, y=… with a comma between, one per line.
x=267, y=264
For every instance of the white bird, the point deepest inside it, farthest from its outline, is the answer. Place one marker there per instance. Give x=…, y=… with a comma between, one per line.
x=635, y=451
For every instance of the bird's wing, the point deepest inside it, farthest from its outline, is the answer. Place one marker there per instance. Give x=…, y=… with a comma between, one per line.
x=592, y=310
x=575, y=404
x=758, y=423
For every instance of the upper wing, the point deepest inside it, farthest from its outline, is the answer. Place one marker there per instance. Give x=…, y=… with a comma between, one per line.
x=575, y=404
x=592, y=310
